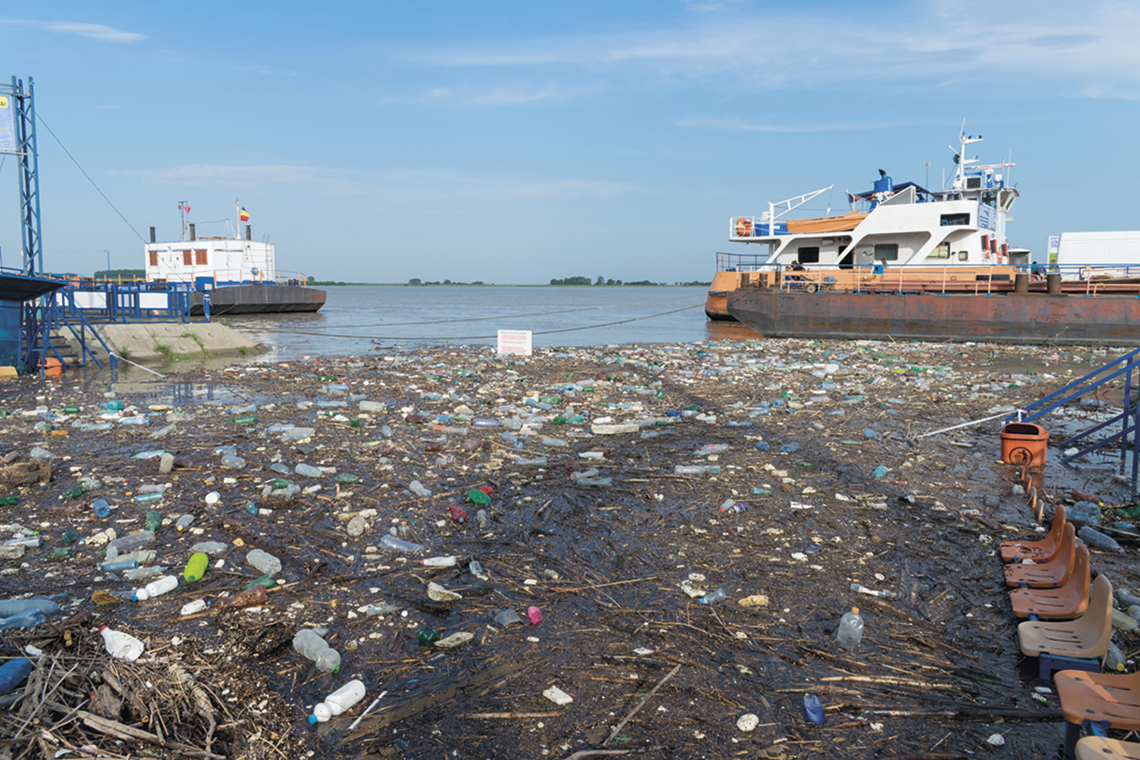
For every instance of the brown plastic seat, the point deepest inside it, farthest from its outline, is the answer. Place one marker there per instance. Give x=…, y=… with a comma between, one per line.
x=1097, y=697
x=1062, y=603
x=1038, y=551
x=1087, y=636
x=1050, y=574
x=1100, y=748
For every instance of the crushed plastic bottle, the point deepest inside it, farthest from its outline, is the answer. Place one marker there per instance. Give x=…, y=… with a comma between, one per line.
x=338, y=702
x=308, y=644
x=13, y=673
x=27, y=619
x=264, y=562
x=129, y=543
x=121, y=645
x=714, y=597
x=418, y=489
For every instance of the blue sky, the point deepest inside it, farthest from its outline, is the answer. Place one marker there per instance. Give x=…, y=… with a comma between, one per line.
x=516, y=142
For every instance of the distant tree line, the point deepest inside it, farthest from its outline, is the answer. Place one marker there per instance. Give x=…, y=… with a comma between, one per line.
x=604, y=282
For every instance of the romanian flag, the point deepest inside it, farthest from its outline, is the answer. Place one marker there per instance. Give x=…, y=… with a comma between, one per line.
x=244, y=214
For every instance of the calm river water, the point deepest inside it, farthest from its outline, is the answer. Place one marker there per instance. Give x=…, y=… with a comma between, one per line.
x=357, y=318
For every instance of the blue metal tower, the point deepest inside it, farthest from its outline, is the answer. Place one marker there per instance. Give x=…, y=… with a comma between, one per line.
x=24, y=114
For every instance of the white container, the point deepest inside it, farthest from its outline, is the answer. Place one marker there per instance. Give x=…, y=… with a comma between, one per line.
x=850, y=631
x=155, y=588
x=340, y=700
x=121, y=645
x=438, y=561
x=194, y=607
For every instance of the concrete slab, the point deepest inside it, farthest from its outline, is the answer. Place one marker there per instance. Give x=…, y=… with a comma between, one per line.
x=164, y=342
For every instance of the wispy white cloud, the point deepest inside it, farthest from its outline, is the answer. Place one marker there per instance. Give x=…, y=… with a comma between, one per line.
x=251, y=177
x=495, y=96
x=395, y=186
x=1069, y=49
x=93, y=31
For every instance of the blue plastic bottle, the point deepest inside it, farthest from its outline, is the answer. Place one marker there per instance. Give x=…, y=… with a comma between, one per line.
x=13, y=673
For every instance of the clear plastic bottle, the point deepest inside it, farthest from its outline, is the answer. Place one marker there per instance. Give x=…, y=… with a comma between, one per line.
x=418, y=489
x=155, y=588
x=266, y=563
x=339, y=701
x=27, y=619
x=101, y=509
x=209, y=547
x=714, y=597
x=129, y=543
x=10, y=607
x=1114, y=661
x=308, y=644
x=233, y=462
x=308, y=471
x=142, y=573
x=695, y=469
x=184, y=522
x=850, y=631
x=391, y=543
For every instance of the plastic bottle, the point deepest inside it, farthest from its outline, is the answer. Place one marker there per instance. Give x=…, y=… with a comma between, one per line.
x=155, y=588
x=478, y=496
x=1114, y=661
x=13, y=673
x=209, y=547
x=26, y=619
x=264, y=562
x=418, y=489
x=850, y=631
x=1098, y=540
x=121, y=645
x=339, y=701
x=308, y=644
x=714, y=597
x=142, y=573
x=813, y=710
x=308, y=471
x=534, y=614
x=458, y=515
x=153, y=520
x=196, y=567
x=438, y=562
x=119, y=565
x=165, y=463
x=391, y=543
x=233, y=462
x=144, y=498
x=101, y=509
x=10, y=607
x=194, y=607
x=129, y=543
x=481, y=518
x=184, y=522
x=695, y=469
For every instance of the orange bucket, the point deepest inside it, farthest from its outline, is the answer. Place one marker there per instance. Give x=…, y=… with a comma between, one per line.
x=52, y=367
x=1024, y=443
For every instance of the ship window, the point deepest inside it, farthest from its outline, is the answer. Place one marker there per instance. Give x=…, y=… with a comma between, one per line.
x=941, y=252
x=186, y=257
x=963, y=255
x=200, y=257
x=153, y=258
x=955, y=220
x=808, y=255
x=888, y=251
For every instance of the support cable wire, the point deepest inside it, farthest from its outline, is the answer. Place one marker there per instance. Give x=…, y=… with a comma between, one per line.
x=40, y=118
x=477, y=337
x=501, y=316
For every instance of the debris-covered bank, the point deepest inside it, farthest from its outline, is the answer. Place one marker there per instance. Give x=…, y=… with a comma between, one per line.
x=591, y=499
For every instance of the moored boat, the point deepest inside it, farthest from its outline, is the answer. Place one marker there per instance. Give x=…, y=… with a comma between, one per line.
x=228, y=274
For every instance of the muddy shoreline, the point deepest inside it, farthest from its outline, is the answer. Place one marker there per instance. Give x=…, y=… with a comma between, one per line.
x=794, y=430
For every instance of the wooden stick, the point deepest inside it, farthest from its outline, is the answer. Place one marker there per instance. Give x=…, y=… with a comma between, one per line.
x=641, y=704
x=603, y=585
x=508, y=715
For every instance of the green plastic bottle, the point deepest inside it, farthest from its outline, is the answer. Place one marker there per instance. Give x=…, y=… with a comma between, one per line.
x=143, y=498
x=196, y=567
x=73, y=493
x=347, y=477
x=153, y=520
x=475, y=496
x=245, y=419
x=427, y=637
x=70, y=537
x=62, y=553
x=10, y=501
x=354, y=422
x=265, y=580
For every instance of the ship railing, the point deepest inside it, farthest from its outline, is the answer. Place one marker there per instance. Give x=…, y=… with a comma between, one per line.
x=900, y=279
x=217, y=278
x=740, y=262
x=1124, y=367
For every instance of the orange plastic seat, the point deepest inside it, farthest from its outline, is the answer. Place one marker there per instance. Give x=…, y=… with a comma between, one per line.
x=1097, y=697
x=1087, y=636
x=1050, y=574
x=1038, y=551
x=1062, y=603
x=1100, y=748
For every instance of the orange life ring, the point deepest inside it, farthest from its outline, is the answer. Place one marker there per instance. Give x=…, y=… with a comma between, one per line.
x=743, y=227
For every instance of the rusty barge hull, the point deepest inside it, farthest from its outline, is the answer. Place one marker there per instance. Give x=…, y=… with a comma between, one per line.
x=1027, y=319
